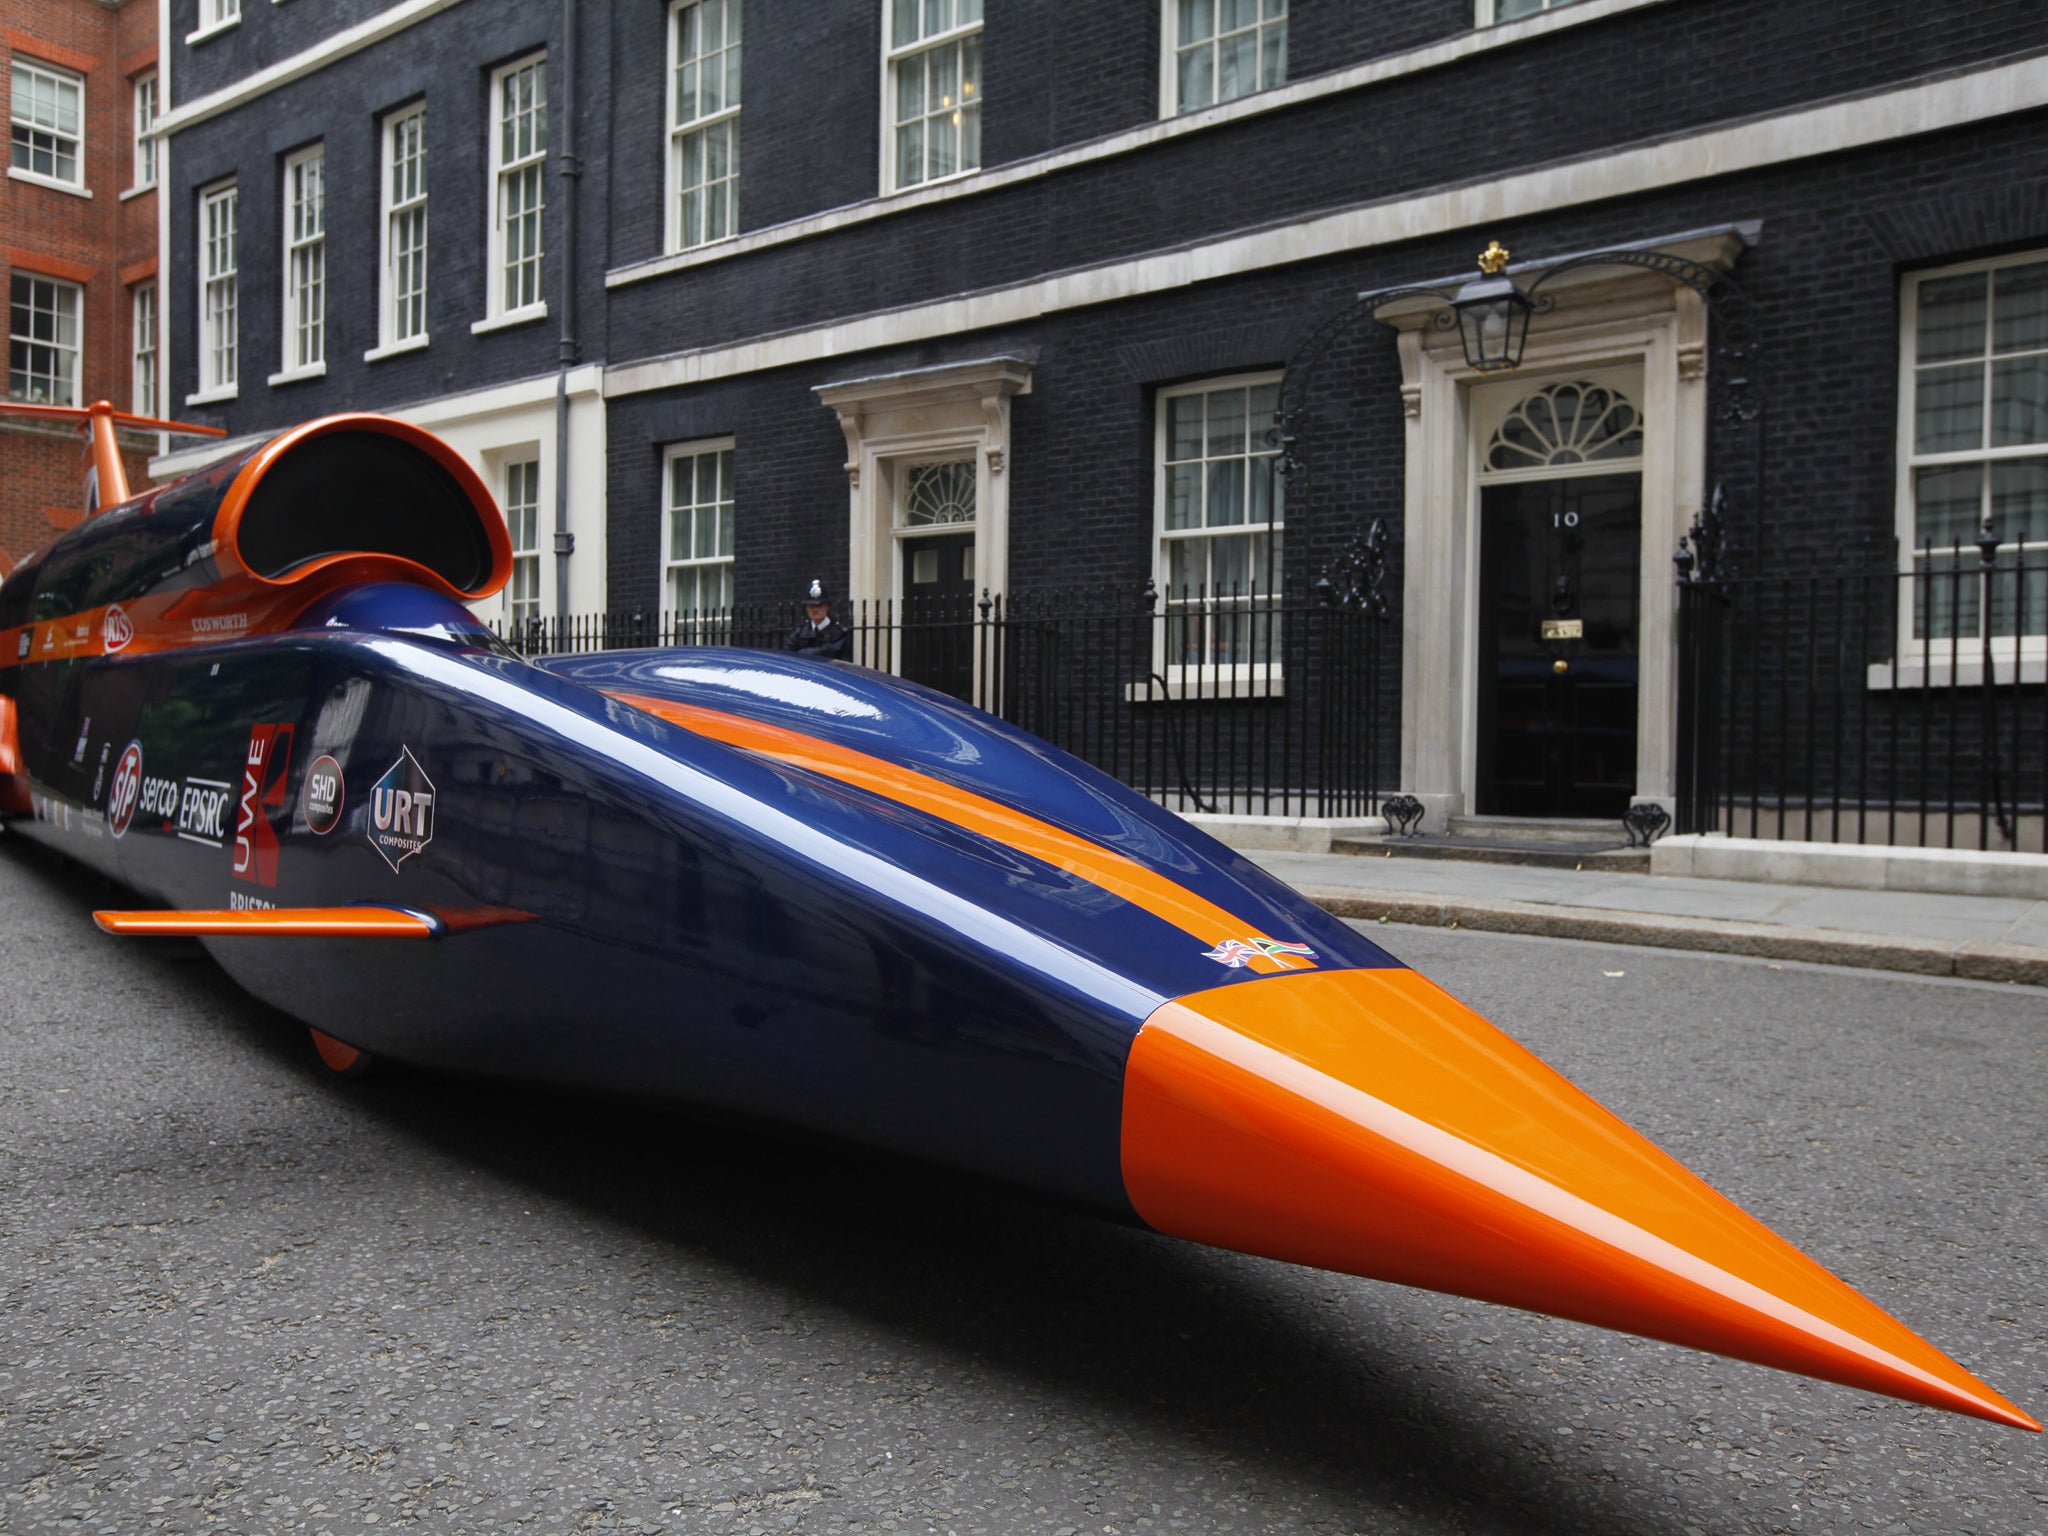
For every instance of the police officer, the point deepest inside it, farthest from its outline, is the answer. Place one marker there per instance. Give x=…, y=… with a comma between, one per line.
x=819, y=634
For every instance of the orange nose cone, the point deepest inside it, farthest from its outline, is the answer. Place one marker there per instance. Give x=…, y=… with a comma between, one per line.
x=1367, y=1121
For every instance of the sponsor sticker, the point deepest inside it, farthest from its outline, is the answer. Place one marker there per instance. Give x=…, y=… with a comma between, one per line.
x=84, y=740
x=402, y=810
x=203, y=811
x=115, y=630
x=322, y=796
x=220, y=624
x=125, y=793
x=1239, y=953
x=265, y=768
x=21, y=647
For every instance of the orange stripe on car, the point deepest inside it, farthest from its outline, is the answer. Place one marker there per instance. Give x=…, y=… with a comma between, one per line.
x=1112, y=871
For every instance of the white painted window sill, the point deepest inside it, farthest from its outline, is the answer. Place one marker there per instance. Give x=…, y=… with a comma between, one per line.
x=394, y=348
x=1940, y=670
x=1203, y=687
x=147, y=186
x=297, y=375
x=15, y=173
x=215, y=30
x=510, y=318
x=214, y=396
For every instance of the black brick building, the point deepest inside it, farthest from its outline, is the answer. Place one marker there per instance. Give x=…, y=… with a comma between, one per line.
x=929, y=299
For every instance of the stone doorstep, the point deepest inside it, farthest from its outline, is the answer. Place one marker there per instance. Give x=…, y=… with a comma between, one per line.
x=1975, y=961
x=1284, y=834
x=1872, y=867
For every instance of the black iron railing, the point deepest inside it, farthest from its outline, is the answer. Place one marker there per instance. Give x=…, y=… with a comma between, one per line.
x=1245, y=703
x=1886, y=705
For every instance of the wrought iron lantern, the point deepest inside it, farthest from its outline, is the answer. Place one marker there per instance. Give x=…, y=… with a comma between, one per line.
x=1493, y=315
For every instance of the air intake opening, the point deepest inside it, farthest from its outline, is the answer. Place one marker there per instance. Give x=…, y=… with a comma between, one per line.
x=346, y=493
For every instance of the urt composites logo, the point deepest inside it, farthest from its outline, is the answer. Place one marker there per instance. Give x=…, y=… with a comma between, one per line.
x=402, y=810
x=126, y=789
x=115, y=629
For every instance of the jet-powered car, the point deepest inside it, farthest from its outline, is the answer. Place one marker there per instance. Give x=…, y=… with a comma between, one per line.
x=809, y=892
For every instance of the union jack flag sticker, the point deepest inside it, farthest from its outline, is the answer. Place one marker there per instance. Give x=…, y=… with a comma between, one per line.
x=1238, y=953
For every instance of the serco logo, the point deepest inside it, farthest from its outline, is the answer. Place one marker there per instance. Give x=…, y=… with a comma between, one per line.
x=402, y=810
x=115, y=630
x=126, y=789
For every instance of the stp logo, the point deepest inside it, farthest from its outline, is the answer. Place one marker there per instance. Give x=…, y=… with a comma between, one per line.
x=125, y=790
x=115, y=630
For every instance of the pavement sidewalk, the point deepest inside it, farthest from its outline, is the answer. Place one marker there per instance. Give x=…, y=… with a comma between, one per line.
x=1984, y=938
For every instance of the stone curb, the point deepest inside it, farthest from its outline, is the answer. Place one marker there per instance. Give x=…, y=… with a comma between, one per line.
x=2021, y=963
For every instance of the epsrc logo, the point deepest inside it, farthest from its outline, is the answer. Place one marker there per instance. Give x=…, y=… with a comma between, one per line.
x=265, y=768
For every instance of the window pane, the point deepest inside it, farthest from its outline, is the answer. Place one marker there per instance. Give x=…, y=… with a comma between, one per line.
x=1197, y=20
x=2019, y=502
x=1951, y=318
x=1948, y=502
x=1184, y=496
x=2019, y=400
x=1194, y=79
x=1186, y=567
x=1184, y=427
x=1944, y=598
x=1237, y=66
x=2020, y=307
x=1949, y=409
x=1226, y=493
x=1226, y=422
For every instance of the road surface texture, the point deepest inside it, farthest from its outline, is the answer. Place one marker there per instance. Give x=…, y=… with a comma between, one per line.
x=242, y=1297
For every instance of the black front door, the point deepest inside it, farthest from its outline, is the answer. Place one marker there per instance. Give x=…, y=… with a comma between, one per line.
x=1559, y=568
x=938, y=612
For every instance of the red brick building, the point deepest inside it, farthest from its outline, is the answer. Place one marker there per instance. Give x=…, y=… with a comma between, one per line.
x=78, y=243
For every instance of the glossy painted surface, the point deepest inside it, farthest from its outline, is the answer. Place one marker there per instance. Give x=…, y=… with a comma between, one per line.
x=816, y=893
x=1366, y=1121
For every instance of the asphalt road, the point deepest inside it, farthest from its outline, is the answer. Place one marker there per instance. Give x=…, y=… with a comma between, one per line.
x=237, y=1296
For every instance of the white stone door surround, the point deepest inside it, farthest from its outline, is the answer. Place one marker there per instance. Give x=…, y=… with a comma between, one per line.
x=924, y=416
x=1620, y=322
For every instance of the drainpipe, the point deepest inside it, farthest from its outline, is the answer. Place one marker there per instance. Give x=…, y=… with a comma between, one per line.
x=565, y=267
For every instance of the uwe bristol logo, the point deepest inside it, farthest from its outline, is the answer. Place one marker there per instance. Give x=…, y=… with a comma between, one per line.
x=402, y=810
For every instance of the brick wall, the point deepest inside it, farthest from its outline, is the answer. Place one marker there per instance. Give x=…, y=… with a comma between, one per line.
x=444, y=62
x=104, y=243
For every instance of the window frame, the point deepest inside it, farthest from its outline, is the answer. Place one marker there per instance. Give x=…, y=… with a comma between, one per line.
x=59, y=287
x=496, y=311
x=142, y=144
x=522, y=609
x=1957, y=657
x=215, y=17
x=894, y=57
x=391, y=337
x=1231, y=679
x=300, y=361
x=1487, y=13
x=216, y=382
x=673, y=232
x=60, y=77
x=1171, y=48
x=142, y=350
x=699, y=621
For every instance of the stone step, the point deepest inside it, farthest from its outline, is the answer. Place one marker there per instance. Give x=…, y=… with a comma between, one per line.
x=1604, y=856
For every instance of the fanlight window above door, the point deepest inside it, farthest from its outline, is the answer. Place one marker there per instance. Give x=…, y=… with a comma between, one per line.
x=935, y=494
x=1565, y=424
